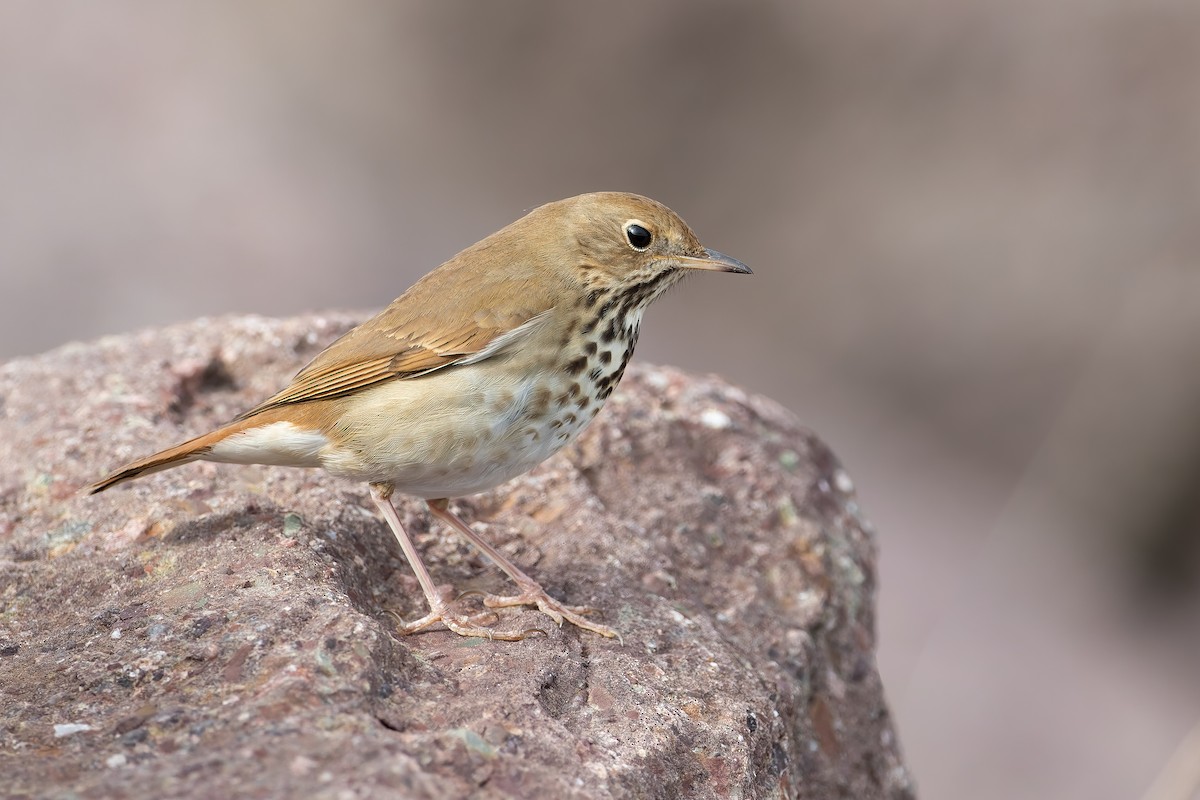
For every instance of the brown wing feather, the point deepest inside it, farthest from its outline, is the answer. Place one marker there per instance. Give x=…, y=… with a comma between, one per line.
x=452, y=314
x=342, y=369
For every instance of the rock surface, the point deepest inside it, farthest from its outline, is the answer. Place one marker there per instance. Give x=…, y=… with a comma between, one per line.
x=223, y=631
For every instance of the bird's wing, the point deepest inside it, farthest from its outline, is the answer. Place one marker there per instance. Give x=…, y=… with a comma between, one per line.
x=386, y=348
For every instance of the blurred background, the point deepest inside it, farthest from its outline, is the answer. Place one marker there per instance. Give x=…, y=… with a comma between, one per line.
x=974, y=233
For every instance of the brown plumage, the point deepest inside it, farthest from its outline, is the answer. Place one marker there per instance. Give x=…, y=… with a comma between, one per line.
x=482, y=369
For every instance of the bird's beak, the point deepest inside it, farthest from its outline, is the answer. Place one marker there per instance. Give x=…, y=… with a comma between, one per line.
x=713, y=262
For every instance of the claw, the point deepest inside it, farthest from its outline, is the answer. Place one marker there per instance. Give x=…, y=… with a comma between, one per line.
x=534, y=595
x=474, y=625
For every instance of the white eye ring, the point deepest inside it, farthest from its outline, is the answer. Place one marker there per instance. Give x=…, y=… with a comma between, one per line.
x=638, y=235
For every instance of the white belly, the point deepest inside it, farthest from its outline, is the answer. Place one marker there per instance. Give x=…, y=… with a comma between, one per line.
x=455, y=433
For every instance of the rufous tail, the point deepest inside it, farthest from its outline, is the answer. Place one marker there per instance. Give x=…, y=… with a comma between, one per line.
x=191, y=450
x=171, y=457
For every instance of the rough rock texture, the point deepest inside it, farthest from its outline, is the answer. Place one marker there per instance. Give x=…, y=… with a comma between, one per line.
x=222, y=630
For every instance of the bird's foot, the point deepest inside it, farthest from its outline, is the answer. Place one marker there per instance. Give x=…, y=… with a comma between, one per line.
x=534, y=595
x=463, y=624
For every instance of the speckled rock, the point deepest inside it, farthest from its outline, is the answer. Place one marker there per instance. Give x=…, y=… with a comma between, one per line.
x=224, y=631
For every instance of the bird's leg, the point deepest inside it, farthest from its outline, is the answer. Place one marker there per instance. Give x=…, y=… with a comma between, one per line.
x=531, y=594
x=439, y=611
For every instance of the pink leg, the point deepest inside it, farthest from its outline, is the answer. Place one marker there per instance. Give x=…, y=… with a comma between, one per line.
x=381, y=493
x=531, y=594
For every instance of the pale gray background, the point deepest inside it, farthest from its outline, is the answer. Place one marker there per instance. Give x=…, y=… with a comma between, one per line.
x=973, y=225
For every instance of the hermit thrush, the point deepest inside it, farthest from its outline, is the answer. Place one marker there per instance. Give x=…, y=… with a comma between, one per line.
x=484, y=368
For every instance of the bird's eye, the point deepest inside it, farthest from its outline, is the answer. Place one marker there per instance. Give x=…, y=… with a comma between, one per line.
x=639, y=238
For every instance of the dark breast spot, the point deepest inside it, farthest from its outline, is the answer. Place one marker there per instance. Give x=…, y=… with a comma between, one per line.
x=610, y=333
x=621, y=369
x=576, y=366
x=632, y=301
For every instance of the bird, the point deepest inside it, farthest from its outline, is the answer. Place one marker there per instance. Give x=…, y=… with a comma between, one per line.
x=482, y=369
